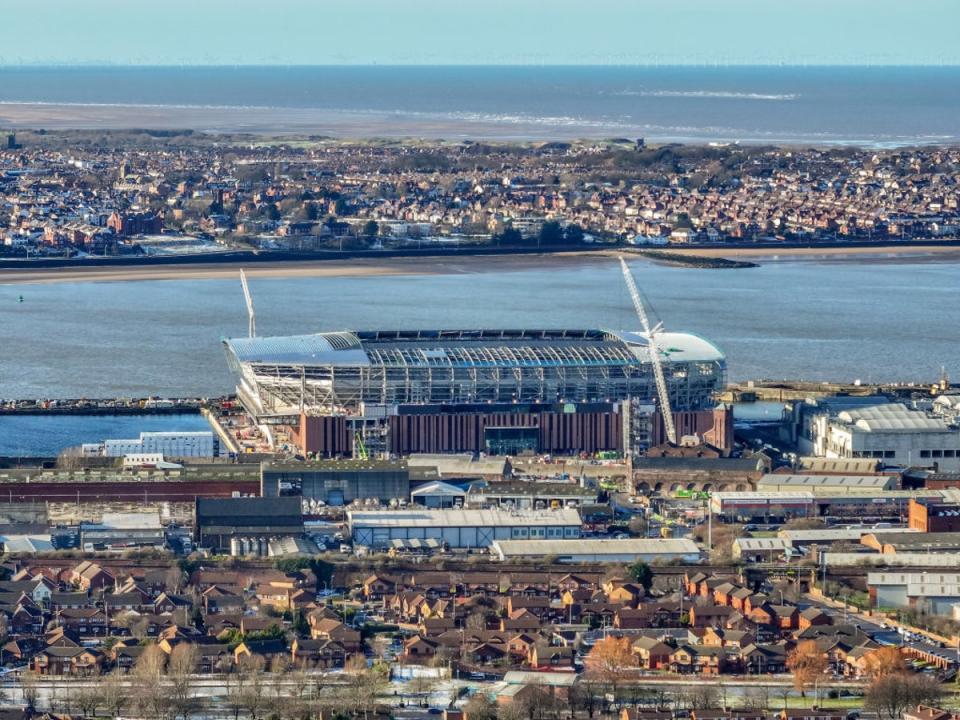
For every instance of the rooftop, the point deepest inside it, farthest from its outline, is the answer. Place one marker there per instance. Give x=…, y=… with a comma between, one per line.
x=589, y=546
x=462, y=518
x=471, y=348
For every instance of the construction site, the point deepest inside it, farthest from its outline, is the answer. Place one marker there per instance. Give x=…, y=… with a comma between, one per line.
x=500, y=392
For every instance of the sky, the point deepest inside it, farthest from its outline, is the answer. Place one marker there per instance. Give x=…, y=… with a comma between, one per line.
x=478, y=32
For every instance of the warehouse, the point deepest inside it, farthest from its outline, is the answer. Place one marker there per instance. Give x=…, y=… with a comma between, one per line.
x=458, y=528
x=762, y=506
x=336, y=482
x=834, y=483
x=530, y=495
x=891, y=432
x=598, y=551
x=123, y=531
x=929, y=591
x=830, y=535
x=760, y=549
x=217, y=521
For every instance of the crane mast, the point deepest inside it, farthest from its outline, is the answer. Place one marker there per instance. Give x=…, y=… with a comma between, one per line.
x=252, y=322
x=666, y=411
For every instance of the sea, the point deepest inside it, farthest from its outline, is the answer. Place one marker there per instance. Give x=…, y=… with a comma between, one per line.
x=868, y=106
x=46, y=435
x=811, y=320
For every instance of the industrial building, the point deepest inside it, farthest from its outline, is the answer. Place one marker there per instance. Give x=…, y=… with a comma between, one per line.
x=336, y=482
x=891, y=432
x=760, y=549
x=460, y=528
x=169, y=444
x=781, y=482
x=598, y=551
x=933, y=592
x=261, y=519
x=530, y=495
x=123, y=531
x=928, y=515
x=494, y=391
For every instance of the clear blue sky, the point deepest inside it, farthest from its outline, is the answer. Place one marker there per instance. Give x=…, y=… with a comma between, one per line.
x=213, y=32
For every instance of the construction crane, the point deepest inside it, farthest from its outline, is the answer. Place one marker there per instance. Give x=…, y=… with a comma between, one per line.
x=666, y=411
x=252, y=327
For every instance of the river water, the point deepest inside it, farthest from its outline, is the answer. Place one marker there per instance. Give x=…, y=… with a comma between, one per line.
x=797, y=319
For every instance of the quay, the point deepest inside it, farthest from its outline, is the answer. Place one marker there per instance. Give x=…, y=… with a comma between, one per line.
x=114, y=406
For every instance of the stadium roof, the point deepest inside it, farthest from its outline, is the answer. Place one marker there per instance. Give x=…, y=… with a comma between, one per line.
x=473, y=348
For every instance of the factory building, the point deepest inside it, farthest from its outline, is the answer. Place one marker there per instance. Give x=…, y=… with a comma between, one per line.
x=500, y=392
x=458, y=528
x=169, y=444
x=336, y=482
x=217, y=522
x=598, y=551
x=928, y=515
x=891, y=432
x=934, y=592
x=777, y=482
x=123, y=531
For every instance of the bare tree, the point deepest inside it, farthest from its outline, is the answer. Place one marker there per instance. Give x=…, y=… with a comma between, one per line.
x=147, y=683
x=890, y=695
x=183, y=664
x=29, y=690
x=113, y=693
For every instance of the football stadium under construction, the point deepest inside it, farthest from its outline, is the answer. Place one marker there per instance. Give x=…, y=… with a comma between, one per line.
x=361, y=393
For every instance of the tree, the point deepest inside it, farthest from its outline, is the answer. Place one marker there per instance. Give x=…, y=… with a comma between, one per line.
x=807, y=663
x=481, y=707
x=113, y=694
x=551, y=234
x=884, y=661
x=183, y=664
x=611, y=661
x=573, y=234
x=642, y=574
x=890, y=695
x=147, y=683
x=509, y=236
x=363, y=687
x=703, y=697
x=29, y=690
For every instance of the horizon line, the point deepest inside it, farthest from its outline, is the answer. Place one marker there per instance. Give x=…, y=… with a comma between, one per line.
x=647, y=65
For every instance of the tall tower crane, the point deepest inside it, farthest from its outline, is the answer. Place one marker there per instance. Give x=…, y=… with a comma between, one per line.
x=666, y=411
x=252, y=324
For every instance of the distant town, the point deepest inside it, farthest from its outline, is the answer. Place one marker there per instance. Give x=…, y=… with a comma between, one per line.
x=479, y=523
x=142, y=194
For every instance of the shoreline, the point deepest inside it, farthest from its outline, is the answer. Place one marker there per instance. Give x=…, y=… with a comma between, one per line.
x=366, y=125
x=467, y=264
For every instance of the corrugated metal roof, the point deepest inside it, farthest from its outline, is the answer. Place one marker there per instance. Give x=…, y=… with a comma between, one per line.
x=462, y=518
x=892, y=417
x=589, y=546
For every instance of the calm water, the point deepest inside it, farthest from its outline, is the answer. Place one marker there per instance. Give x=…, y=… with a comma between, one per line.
x=877, y=105
x=782, y=320
x=45, y=436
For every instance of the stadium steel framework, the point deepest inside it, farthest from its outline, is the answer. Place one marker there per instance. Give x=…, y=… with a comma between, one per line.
x=365, y=373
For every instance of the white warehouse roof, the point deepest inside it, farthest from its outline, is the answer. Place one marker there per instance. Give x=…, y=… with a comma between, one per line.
x=680, y=547
x=892, y=417
x=457, y=517
x=862, y=482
